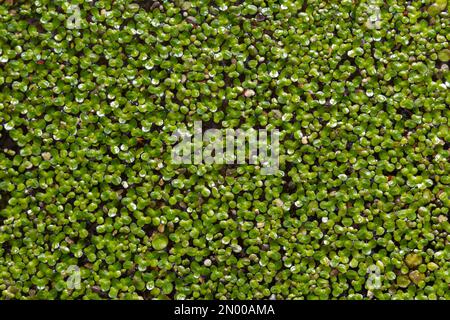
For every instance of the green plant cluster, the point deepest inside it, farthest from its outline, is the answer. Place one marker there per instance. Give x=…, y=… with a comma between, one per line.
x=358, y=90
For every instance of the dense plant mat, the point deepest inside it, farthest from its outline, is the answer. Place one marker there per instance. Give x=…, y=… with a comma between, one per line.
x=93, y=207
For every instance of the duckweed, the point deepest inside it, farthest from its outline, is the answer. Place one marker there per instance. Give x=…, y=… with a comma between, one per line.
x=93, y=207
